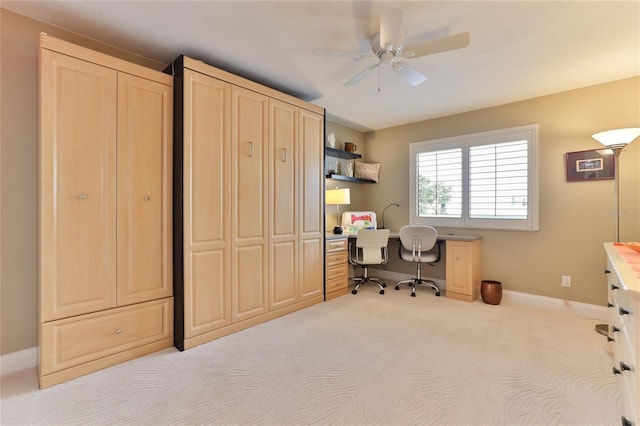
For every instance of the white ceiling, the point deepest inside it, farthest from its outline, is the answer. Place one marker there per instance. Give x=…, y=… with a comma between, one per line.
x=518, y=50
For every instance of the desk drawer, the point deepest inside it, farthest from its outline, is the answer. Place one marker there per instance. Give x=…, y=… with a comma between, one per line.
x=336, y=259
x=336, y=284
x=338, y=271
x=336, y=245
x=73, y=341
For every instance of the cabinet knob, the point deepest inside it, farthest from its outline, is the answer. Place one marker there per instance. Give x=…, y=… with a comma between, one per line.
x=118, y=331
x=614, y=329
x=614, y=287
x=147, y=198
x=609, y=305
x=623, y=311
x=616, y=371
x=606, y=271
x=83, y=196
x=625, y=421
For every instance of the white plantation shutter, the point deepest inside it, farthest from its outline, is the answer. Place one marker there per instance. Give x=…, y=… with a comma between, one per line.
x=484, y=180
x=439, y=183
x=498, y=180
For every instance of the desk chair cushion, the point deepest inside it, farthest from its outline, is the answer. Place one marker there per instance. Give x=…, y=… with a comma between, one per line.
x=417, y=243
x=352, y=222
x=370, y=246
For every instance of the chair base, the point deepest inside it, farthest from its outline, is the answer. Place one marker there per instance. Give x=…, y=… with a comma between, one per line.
x=413, y=282
x=362, y=280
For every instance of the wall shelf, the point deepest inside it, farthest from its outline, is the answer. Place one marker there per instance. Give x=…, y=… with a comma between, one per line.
x=338, y=153
x=349, y=179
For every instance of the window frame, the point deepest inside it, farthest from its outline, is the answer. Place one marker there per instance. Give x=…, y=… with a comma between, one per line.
x=527, y=132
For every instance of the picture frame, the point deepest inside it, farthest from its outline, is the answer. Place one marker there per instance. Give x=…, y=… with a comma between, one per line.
x=595, y=164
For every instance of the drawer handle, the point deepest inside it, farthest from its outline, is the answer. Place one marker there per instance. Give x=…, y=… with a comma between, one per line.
x=614, y=329
x=83, y=196
x=616, y=371
x=606, y=271
x=614, y=287
x=610, y=339
x=623, y=311
x=625, y=421
x=147, y=198
x=118, y=331
x=609, y=305
x=625, y=367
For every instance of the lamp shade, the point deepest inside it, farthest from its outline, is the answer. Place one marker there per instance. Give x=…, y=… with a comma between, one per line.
x=337, y=196
x=617, y=138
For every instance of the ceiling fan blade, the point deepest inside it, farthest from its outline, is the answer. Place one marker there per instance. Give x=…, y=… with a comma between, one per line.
x=390, y=27
x=361, y=75
x=412, y=75
x=344, y=53
x=452, y=42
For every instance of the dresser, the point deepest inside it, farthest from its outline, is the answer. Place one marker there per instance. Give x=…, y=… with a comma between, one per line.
x=623, y=283
x=336, y=266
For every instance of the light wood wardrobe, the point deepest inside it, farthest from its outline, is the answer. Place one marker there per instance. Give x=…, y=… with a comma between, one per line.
x=105, y=290
x=249, y=231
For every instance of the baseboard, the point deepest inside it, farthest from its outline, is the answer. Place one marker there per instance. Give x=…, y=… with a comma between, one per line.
x=399, y=276
x=580, y=309
x=20, y=360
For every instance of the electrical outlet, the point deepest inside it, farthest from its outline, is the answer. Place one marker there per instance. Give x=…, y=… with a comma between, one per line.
x=566, y=281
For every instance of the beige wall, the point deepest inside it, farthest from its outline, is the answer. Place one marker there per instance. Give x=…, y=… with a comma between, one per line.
x=18, y=172
x=575, y=217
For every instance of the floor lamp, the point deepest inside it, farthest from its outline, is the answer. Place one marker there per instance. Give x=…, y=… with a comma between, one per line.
x=616, y=140
x=338, y=196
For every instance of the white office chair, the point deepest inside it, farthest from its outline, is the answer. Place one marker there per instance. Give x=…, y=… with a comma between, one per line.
x=416, y=245
x=371, y=249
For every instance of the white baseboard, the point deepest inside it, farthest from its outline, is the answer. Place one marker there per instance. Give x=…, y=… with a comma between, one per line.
x=20, y=360
x=580, y=309
x=28, y=358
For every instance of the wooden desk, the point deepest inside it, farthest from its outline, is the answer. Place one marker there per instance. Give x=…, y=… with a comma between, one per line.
x=463, y=269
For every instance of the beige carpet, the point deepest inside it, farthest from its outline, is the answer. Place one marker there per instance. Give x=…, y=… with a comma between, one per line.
x=356, y=360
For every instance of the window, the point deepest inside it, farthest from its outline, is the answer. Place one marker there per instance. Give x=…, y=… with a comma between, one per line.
x=484, y=180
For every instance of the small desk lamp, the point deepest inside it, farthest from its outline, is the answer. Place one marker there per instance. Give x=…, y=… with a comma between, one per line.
x=338, y=196
x=616, y=140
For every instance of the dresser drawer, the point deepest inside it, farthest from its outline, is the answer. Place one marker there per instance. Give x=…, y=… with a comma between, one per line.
x=336, y=245
x=73, y=341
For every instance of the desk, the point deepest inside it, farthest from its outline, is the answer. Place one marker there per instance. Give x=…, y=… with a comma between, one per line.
x=463, y=268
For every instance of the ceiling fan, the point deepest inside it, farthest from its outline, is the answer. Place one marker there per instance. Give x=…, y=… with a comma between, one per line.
x=387, y=46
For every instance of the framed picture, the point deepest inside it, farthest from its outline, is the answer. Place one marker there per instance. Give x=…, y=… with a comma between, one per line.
x=590, y=165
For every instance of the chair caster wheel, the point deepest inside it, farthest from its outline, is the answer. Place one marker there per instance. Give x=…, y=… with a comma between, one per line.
x=354, y=291
x=438, y=294
x=381, y=291
x=384, y=284
x=413, y=295
x=397, y=287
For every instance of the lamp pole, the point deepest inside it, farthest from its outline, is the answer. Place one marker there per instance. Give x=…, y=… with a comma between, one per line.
x=385, y=209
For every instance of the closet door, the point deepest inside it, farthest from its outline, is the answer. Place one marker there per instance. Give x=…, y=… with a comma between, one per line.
x=206, y=204
x=283, y=120
x=144, y=189
x=77, y=186
x=249, y=180
x=311, y=181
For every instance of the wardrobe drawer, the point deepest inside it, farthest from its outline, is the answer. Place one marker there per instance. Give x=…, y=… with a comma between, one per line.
x=73, y=341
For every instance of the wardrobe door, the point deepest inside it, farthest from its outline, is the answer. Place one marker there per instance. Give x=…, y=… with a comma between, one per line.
x=311, y=181
x=206, y=204
x=283, y=120
x=144, y=189
x=77, y=186
x=249, y=203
